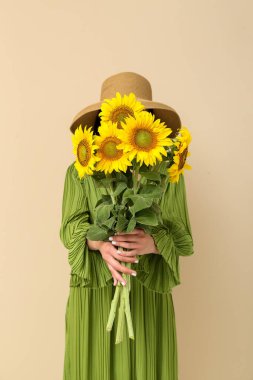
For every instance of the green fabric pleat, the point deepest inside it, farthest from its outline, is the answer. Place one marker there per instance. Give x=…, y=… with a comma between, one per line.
x=90, y=351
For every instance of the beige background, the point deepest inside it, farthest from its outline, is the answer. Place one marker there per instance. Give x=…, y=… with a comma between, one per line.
x=198, y=58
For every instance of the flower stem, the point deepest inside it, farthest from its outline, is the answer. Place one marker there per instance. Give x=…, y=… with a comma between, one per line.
x=128, y=314
x=124, y=309
x=111, y=190
x=121, y=318
x=113, y=309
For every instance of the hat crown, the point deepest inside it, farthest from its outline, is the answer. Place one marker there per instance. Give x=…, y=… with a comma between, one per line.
x=124, y=83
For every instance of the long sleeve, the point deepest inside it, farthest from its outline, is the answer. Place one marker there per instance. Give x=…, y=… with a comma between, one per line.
x=173, y=238
x=87, y=267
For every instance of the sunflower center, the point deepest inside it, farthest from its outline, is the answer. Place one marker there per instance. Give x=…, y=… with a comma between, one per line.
x=182, y=158
x=109, y=148
x=144, y=139
x=83, y=152
x=120, y=113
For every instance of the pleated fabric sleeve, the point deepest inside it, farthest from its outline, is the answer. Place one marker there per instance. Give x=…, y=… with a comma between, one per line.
x=173, y=239
x=87, y=266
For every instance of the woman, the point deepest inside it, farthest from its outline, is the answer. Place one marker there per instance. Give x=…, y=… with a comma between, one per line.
x=96, y=268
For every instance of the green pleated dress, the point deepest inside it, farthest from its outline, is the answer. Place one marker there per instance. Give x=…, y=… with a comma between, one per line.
x=90, y=350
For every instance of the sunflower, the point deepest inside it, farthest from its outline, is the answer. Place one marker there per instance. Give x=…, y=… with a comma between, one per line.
x=110, y=157
x=182, y=142
x=83, y=148
x=144, y=138
x=120, y=107
x=183, y=137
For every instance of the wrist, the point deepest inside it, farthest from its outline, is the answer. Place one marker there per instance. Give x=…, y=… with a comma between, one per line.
x=100, y=244
x=95, y=244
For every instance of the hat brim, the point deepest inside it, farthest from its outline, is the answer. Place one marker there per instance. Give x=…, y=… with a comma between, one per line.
x=88, y=115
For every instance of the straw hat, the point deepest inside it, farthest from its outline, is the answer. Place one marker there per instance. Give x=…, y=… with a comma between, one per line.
x=126, y=82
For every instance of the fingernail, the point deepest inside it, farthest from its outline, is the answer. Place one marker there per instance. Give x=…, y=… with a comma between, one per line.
x=134, y=274
x=136, y=261
x=114, y=242
x=119, y=252
x=110, y=238
x=123, y=283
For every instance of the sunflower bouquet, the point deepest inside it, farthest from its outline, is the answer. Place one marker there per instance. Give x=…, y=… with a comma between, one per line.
x=132, y=156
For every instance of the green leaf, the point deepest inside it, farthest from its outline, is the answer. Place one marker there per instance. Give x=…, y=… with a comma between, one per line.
x=156, y=208
x=121, y=223
x=151, y=191
x=121, y=208
x=99, y=202
x=120, y=177
x=96, y=233
x=109, y=222
x=154, y=176
x=131, y=225
x=119, y=188
x=106, y=199
x=128, y=192
x=147, y=217
x=115, y=212
x=139, y=203
x=103, y=212
x=107, y=181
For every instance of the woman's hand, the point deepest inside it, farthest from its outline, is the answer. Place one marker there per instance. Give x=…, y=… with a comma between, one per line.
x=111, y=256
x=137, y=241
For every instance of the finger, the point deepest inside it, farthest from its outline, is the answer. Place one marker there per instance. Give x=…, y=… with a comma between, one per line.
x=124, y=253
x=121, y=268
x=120, y=251
x=118, y=276
x=126, y=244
x=124, y=237
x=127, y=259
